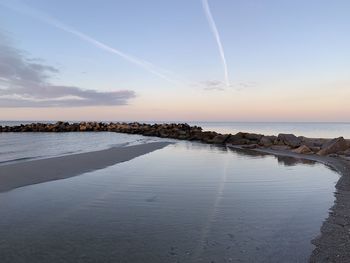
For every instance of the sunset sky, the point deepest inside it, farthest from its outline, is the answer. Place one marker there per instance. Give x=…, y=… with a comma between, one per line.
x=180, y=60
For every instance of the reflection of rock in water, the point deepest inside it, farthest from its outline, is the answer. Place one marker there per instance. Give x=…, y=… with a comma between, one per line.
x=282, y=160
x=291, y=161
x=248, y=152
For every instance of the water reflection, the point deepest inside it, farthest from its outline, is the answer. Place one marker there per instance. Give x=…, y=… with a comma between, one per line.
x=188, y=202
x=282, y=160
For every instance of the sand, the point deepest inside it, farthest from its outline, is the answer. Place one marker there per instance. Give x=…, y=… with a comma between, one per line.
x=333, y=243
x=39, y=171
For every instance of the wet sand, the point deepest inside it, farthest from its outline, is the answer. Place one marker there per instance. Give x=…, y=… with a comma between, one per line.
x=333, y=245
x=39, y=171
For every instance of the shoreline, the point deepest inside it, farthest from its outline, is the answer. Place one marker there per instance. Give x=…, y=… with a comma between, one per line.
x=15, y=175
x=333, y=243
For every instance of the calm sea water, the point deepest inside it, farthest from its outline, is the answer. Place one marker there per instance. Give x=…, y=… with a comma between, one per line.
x=308, y=129
x=188, y=202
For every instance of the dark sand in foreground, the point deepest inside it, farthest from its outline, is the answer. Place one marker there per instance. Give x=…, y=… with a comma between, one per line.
x=39, y=171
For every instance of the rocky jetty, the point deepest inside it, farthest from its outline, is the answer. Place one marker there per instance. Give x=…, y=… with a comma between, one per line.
x=183, y=131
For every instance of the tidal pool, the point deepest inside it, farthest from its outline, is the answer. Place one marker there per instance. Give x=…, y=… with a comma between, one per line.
x=188, y=202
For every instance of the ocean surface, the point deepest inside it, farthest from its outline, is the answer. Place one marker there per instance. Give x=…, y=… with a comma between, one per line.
x=187, y=202
x=307, y=129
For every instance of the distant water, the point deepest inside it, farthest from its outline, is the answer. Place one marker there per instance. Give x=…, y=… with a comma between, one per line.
x=14, y=123
x=188, y=202
x=308, y=129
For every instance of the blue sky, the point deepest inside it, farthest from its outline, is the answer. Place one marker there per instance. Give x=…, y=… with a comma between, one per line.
x=276, y=51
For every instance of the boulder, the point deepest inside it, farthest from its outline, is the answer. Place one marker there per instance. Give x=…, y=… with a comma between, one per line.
x=208, y=136
x=334, y=146
x=238, y=139
x=253, y=136
x=195, y=135
x=267, y=141
x=303, y=149
x=289, y=139
x=315, y=149
x=220, y=138
x=312, y=142
x=181, y=132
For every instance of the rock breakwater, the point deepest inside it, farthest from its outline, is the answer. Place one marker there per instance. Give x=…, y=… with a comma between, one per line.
x=183, y=131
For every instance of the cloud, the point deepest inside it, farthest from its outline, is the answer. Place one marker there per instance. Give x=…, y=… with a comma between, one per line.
x=25, y=82
x=216, y=34
x=248, y=84
x=217, y=85
x=146, y=65
x=213, y=85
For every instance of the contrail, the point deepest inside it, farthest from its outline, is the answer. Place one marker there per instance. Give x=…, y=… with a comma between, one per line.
x=217, y=38
x=21, y=8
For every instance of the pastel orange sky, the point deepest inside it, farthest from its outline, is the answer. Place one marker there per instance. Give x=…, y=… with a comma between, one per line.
x=253, y=105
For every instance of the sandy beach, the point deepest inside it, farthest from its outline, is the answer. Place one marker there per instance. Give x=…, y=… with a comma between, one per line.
x=39, y=171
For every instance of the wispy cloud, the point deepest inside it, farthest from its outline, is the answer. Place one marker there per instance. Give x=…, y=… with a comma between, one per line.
x=213, y=85
x=25, y=82
x=217, y=85
x=216, y=34
x=24, y=9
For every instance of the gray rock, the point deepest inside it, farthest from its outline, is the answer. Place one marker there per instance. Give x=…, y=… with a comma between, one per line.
x=303, y=149
x=312, y=142
x=220, y=138
x=253, y=136
x=289, y=139
x=315, y=149
x=334, y=146
x=238, y=139
x=267, y=141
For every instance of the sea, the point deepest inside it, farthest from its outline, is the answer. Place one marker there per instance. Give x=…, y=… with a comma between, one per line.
x=307, y=129
x=187, y=202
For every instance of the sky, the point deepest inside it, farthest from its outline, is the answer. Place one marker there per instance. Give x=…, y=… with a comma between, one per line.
x=183, y=60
